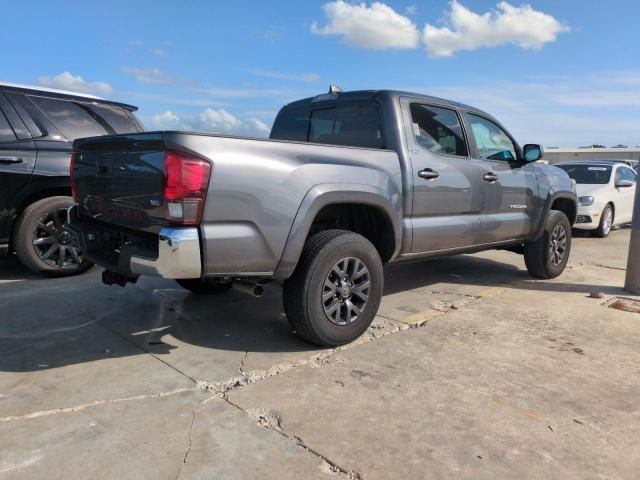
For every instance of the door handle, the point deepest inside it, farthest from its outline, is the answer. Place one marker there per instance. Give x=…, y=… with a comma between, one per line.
x=490, y=177
x=10, y=160
x=428, y=174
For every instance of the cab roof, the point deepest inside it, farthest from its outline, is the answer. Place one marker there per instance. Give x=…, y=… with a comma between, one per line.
x=372, y=94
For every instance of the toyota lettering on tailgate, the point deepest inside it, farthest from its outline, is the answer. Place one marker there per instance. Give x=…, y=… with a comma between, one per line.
x=116, y=211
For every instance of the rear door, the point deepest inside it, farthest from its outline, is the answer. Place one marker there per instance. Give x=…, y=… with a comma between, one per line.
x=510, y=184
x=448, y=191
x=17, y=160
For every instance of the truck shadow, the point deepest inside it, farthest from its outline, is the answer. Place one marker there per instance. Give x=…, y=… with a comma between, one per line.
x=54, y=323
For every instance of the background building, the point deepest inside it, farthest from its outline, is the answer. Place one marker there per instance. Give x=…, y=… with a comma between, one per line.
x=557, y=155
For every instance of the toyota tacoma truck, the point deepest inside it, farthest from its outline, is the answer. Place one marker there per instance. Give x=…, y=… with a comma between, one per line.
x=347, y=182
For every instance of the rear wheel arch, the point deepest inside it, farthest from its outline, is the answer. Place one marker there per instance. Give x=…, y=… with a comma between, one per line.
x=329, y=207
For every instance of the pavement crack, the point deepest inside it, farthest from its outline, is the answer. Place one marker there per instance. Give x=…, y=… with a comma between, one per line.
x=190, y=438
x=271, y=420
x=96, y=403
x=244, y=358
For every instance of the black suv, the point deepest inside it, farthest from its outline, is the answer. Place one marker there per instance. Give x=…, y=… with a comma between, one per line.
x=37, y=129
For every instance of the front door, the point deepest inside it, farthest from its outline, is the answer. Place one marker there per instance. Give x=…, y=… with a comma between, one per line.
x=510, y=183
x=448, y=191
x=624, y=196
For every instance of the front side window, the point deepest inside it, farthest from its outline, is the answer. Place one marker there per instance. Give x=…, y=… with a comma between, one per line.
x=588, y=174
x=6, y=132
x=71, y=120
x=627, y=174
x=438, y=130
x=492, y=142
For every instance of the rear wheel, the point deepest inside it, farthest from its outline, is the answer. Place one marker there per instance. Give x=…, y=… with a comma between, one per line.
x=547, y=256
x=204, y=286
x=42, y=239
x=335, y=291
x=606, y=222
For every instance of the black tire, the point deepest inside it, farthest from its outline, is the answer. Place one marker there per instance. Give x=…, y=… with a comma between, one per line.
x=204, y=286
x=42, y=227
x=541, y=256
x=604, y=228
x=324, y=254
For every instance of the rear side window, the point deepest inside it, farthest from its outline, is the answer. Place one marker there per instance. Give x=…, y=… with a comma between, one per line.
x=354, y=124
x=118, y=119
x=72, y=121
x=6, y=133
x=78, y=120
x=438, y=130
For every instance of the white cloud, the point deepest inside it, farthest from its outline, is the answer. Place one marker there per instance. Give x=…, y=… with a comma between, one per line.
x=158, y=52
x=376, y=27
x=209, y=120
x=303, y=77
x=67, y=81
x=148, y=75
x=522, y=26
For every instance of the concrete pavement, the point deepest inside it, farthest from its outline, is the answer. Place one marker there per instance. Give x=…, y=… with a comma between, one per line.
x=470, y=370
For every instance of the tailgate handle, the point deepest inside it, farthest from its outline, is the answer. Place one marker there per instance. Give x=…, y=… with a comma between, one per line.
x=10, y=160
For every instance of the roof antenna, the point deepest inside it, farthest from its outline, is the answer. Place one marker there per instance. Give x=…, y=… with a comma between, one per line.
x=334, y=89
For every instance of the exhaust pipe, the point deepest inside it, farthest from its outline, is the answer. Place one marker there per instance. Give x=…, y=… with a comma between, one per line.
x=250, y=288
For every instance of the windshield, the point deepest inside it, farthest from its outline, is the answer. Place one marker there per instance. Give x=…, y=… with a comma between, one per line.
x=588, y=174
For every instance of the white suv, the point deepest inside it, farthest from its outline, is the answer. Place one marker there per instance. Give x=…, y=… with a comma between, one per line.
x=606, y=190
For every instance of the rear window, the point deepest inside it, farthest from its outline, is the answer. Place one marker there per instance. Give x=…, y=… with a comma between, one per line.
x=588, y=174
x=78, y=120
x=355, y=124
x=291, y=124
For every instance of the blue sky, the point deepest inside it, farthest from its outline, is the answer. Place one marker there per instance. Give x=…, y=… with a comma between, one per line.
x=560, y=73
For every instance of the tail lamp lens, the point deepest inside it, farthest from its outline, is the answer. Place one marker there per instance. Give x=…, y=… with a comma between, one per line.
x=186, y=180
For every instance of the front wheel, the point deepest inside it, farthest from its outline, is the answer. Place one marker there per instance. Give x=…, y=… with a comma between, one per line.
x=42, y=239
x=606, y=222
x=335, y=291
x=547, y=256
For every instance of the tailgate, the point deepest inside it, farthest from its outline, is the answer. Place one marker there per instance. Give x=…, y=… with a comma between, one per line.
x=119, y=180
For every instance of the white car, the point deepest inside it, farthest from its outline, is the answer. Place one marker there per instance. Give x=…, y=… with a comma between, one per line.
x=606, y=191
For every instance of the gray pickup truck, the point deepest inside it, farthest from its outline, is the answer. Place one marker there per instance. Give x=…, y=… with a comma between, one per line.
x=347, y=181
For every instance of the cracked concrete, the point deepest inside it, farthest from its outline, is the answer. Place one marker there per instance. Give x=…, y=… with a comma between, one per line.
x=470, y=370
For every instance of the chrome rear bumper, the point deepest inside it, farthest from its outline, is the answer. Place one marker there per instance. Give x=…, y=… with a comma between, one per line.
x=178, y=255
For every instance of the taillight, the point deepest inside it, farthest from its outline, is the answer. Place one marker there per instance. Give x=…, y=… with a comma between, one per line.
x=186, y=180
x=73, y=177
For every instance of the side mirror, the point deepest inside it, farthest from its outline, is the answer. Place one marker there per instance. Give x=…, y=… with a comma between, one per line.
x=532, y=152
x=624, y=184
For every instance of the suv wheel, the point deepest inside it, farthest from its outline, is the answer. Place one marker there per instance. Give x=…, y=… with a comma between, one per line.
x=547, y=257
x=335, y=291
x=606, y=222
x=204, y=286
x=42, y=239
